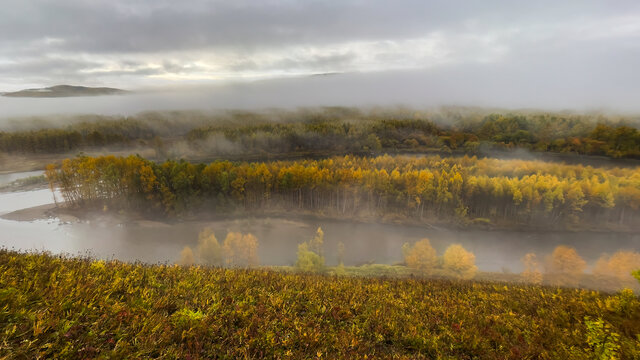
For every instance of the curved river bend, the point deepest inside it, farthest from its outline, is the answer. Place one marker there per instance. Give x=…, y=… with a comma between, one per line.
x=278, y=238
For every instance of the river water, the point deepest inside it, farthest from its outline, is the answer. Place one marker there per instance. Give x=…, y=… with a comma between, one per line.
x=154, y=242
x=11, y=177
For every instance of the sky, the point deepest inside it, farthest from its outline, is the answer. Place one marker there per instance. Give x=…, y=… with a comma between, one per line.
x=586, y=50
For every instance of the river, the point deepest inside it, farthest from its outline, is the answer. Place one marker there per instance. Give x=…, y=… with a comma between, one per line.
x=155, y=242
x=6, y=179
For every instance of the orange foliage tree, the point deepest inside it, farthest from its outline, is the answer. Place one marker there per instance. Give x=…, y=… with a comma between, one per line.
x=619, y=265
x=565, y=260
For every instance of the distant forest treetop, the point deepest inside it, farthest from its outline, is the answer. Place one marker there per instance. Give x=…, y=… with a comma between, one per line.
x=339, y=130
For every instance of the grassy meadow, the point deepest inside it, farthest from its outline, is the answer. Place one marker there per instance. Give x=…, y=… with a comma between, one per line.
x=60, y=307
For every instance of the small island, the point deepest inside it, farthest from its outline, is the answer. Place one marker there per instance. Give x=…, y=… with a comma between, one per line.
x=65, y=91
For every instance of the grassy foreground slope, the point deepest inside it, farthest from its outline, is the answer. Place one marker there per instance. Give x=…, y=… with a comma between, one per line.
x=53, y=307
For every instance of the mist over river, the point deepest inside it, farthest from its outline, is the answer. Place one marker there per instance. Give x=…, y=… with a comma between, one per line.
x=155, y=242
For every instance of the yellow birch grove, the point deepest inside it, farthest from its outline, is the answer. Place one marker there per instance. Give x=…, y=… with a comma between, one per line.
x=462, y=189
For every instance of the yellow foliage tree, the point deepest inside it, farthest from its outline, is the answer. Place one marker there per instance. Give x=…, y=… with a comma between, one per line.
x=316, y=244
x=459, y=262
x=565, y=260
x=467, y=188
x=309, y=261
x=531, y=273
x=186, y=257
x=421, y=256
x=51, y=174
x=241, y=250
x=209, y=250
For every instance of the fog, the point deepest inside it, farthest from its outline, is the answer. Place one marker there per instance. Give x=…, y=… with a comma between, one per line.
x=278, y=237
x=494, y=87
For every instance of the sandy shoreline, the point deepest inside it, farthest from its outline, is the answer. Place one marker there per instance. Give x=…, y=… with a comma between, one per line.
x=41, y=212
x=71, y=215
x=11, y=188
x=30, y=214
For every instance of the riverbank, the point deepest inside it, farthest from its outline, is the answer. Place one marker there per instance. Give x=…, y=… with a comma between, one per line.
x=121, y=217
x=26, y=184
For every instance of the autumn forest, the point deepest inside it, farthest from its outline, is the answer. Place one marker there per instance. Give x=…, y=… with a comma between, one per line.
x=421, y=188
x=332, y=131
x=252, y=269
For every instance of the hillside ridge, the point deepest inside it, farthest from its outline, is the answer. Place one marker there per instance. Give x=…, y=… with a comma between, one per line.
x=64, y=91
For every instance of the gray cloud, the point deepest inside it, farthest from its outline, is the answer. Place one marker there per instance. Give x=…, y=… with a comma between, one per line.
x=571, y=45
x=161, y=25
x=56, y=65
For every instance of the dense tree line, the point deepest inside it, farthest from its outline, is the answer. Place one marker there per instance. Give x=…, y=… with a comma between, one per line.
x=559, y=134
x=72, y=137
x=343, y=130
x=422, y=188
x=493, y=132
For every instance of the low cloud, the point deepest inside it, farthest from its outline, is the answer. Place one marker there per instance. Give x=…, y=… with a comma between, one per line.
x=572, y=49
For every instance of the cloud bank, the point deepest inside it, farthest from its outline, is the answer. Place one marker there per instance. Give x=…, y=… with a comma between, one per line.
x=584, y=50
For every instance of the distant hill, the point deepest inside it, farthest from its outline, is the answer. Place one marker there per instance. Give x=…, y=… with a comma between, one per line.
x=65, y=91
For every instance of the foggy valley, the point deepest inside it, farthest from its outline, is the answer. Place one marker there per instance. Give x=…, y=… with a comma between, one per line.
x=341, y=180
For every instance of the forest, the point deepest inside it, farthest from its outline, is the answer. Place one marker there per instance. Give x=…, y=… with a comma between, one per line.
x=224, y=297
x=333, y=131
x=455, y=190
x=73, y=137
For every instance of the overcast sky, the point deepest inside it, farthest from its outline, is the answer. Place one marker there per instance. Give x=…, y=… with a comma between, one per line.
x=141, y=43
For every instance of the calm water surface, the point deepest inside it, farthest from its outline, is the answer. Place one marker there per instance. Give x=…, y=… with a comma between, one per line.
x=278, y=238
x=11, y=177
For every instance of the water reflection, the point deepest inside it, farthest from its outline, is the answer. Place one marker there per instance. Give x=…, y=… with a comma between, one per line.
x=157, y=242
